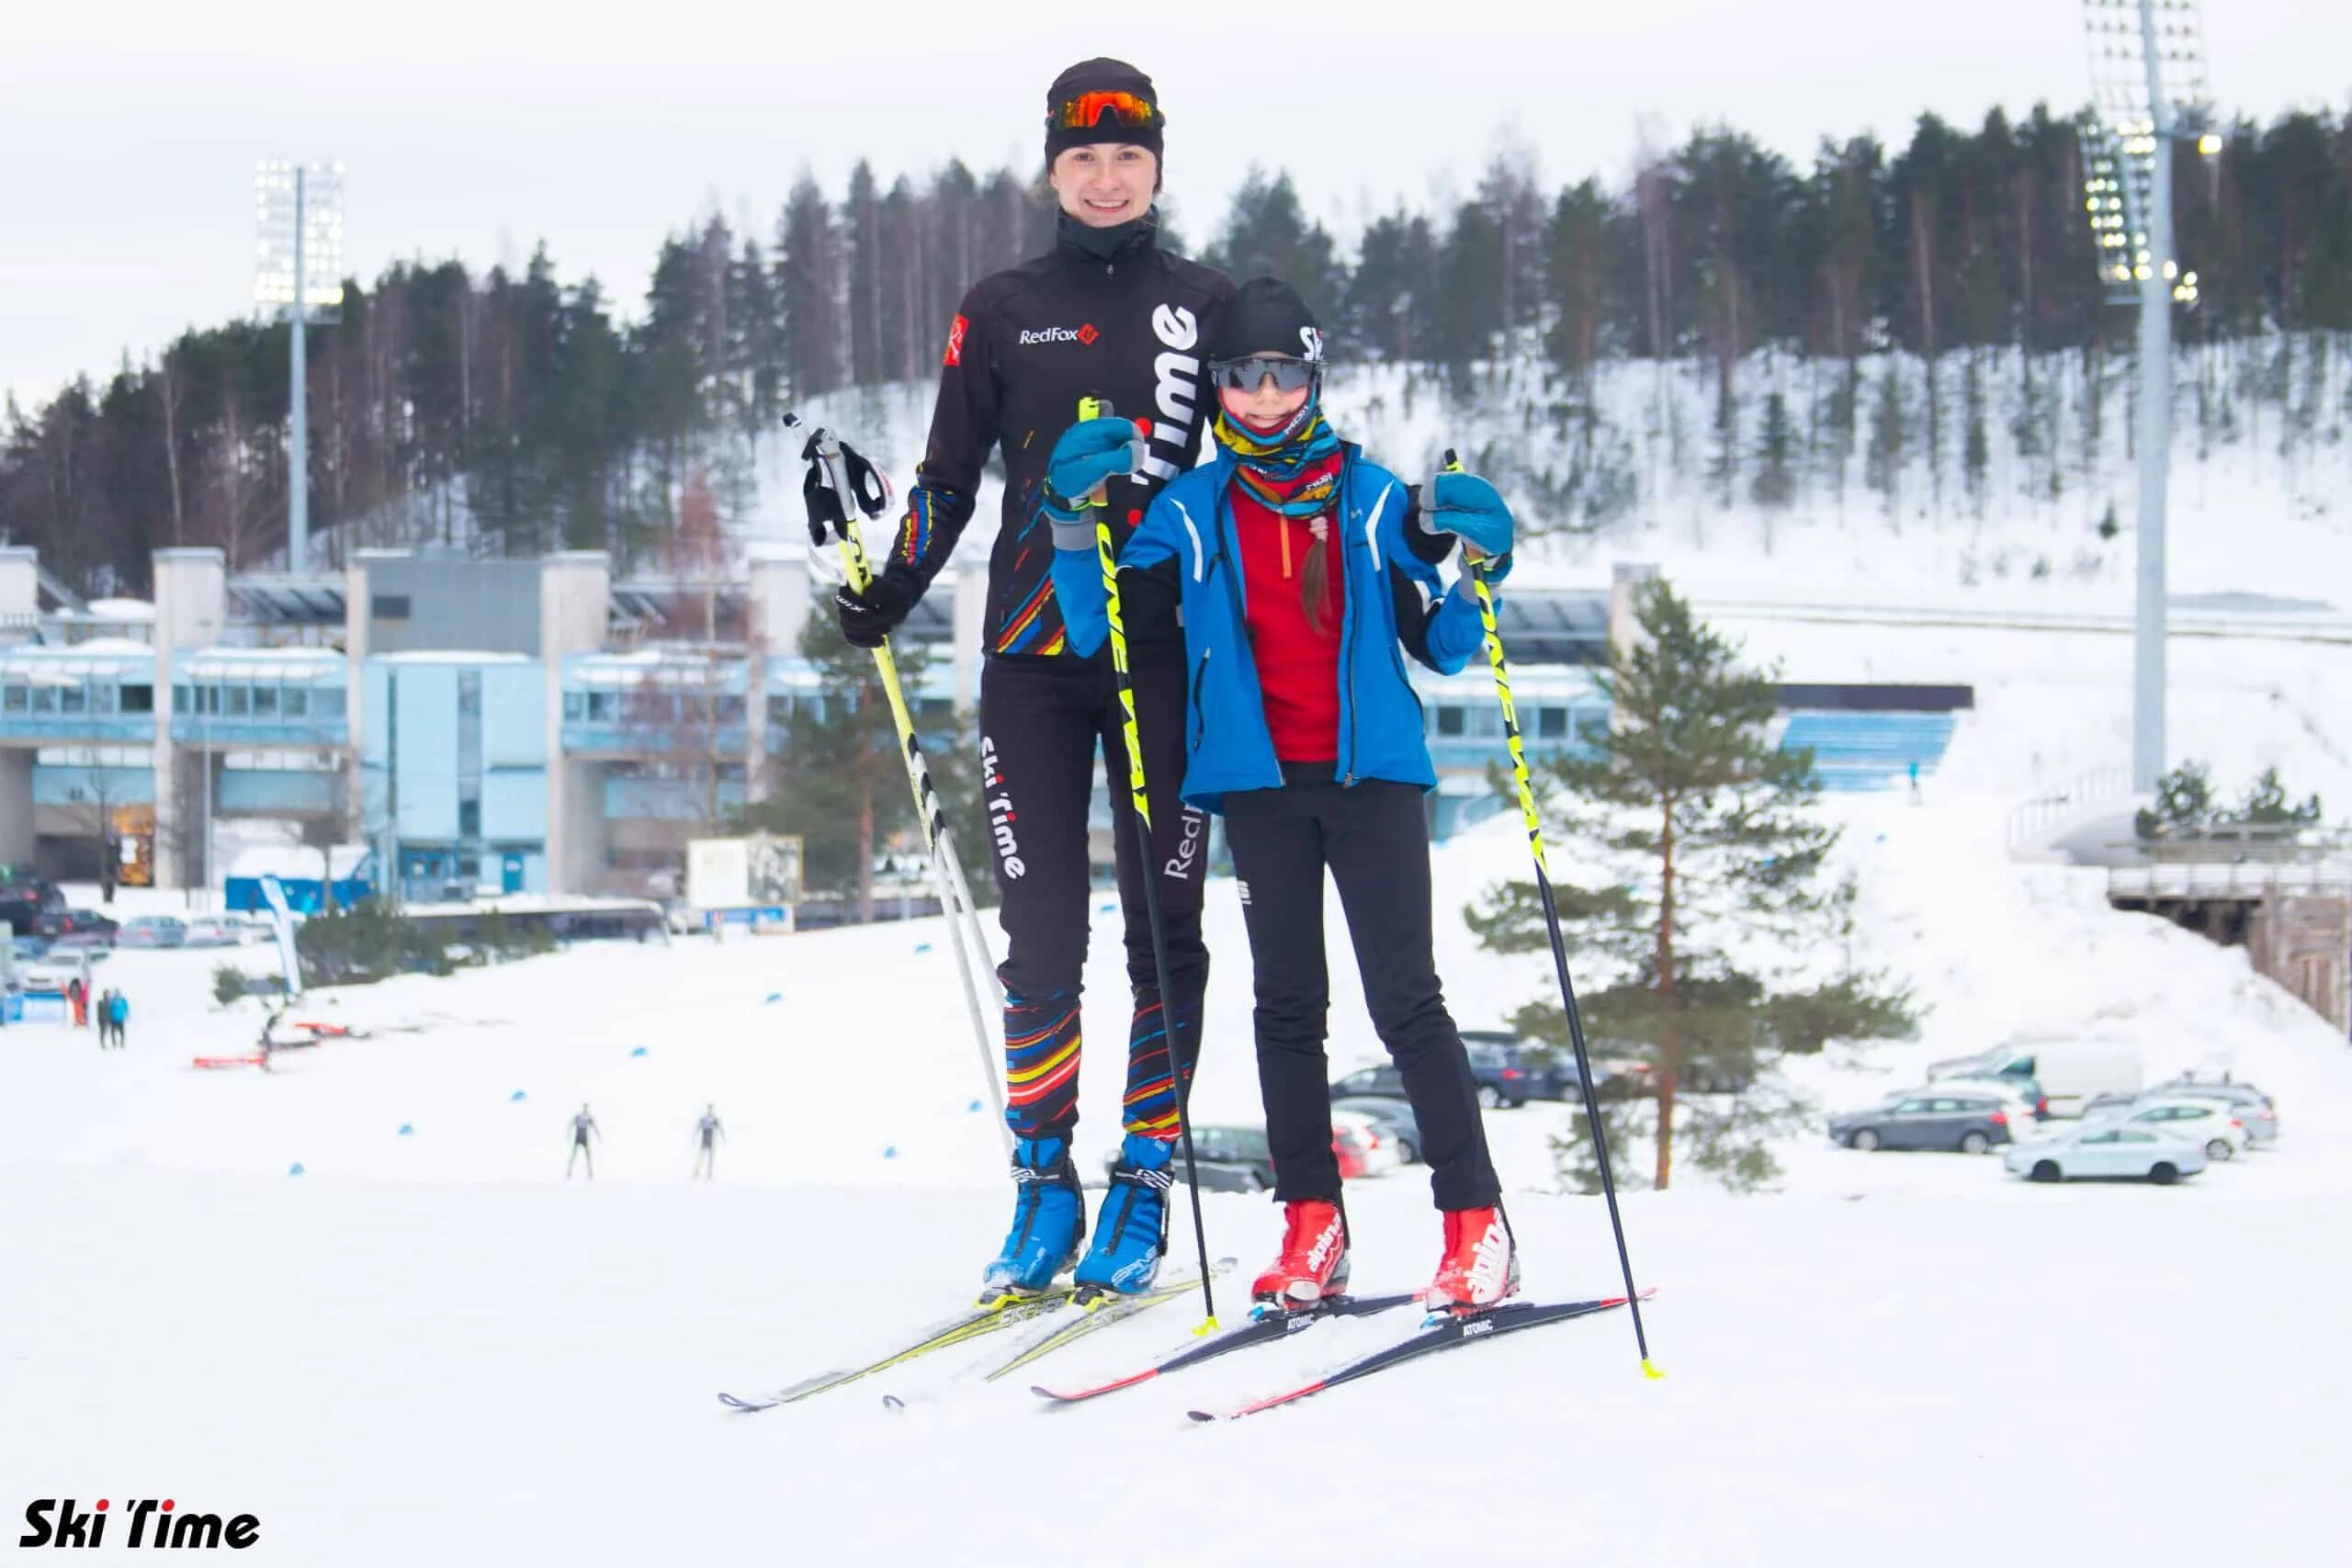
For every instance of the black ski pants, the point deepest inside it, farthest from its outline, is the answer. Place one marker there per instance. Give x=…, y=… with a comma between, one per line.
x=1375, y=840
x=1043, y=722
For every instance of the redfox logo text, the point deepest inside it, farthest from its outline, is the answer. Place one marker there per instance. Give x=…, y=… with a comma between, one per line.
x=153, y=1523
x=1082, y=335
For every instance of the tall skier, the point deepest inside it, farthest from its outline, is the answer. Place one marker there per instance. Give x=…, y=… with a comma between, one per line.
x=1301, y=567
x=1105, y=313
x=583, y=1127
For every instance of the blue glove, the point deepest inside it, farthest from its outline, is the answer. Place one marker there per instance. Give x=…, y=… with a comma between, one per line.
x=1088, y=454
x=1467, y=505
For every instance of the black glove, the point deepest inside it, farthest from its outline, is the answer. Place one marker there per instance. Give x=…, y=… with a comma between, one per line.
x=867, y=618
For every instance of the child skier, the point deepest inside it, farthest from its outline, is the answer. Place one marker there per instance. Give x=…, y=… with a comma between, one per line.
x=1305, y=733
x=582, y=1126
x=708, y=1135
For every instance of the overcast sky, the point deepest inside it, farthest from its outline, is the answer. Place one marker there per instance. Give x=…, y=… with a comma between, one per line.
x=128, y=129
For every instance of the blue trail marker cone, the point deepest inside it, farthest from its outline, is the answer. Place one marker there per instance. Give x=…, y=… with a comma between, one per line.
x=974, y=1106
x=516, y=1097
x=890, y=1151
x=407, y=1131
x=639, y=1052
x=296, y=1169
x=774, y=998
x=923, y=947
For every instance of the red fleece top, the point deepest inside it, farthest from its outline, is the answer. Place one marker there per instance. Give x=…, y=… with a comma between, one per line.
x=1298, y=665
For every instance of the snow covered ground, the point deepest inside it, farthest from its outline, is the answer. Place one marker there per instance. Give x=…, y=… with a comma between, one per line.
x=428, y=1348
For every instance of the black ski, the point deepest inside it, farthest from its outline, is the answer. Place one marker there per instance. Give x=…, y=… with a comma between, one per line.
x=1508, y=1318
x=1266, y=1330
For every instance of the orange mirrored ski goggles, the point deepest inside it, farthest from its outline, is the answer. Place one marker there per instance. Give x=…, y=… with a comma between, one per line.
x=1089, y=110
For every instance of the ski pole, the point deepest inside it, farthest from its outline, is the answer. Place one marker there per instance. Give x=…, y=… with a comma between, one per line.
x=1520, y=776
x=848, y=485
x=1107, y=552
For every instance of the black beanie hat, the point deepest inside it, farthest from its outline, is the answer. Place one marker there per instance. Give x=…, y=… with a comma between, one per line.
x=1100, y=76
x=1267, y=317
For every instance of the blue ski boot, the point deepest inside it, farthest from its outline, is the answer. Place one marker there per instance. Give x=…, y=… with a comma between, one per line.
x=1132, y=1236
x=1048, y=1219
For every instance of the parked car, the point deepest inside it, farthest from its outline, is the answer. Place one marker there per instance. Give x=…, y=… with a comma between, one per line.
x=25, y=899
x=214, y=930
x=2255, y=1108
x=2110, y=1151
x=2027, y=1102
x=2071, y=1072
x=2212, y=1124
x=1396, y=1117
x=152, y=930
x=1372, y=1140
x=1535, y=1072
x=1356, y=1145
x=27, y=948
x=1969, y=1120
x=1230, y=1160
x=94, y=927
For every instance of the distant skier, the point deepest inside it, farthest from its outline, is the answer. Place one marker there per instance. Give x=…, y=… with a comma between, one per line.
x=117, y=1018
x=583, y=1127
x=105, y=1019
x=77, y=998
x=709, y=1135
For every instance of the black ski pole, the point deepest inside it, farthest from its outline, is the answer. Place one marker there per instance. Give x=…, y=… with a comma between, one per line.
x=1552, y=925
x=1107, y=552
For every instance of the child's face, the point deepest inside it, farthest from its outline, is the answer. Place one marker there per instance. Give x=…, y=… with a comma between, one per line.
x=1105, y=183
x=1265, y=407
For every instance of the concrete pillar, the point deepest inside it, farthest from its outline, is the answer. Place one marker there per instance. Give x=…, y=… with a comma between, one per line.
x=575, y=606
x=19, y=594
x=1626, y=580
x=356, y=602
x=191, y=613
x=971, y=613
x=16, y=834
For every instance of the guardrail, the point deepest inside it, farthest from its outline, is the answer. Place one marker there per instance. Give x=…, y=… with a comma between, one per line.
x=2032, y=820
x=2230, y=879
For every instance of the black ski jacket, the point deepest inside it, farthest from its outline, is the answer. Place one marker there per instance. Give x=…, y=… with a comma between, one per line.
x=1030, y=342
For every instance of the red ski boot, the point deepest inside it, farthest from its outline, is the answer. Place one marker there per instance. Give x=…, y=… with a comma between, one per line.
x=1313, y=1265
x=1480, y=1267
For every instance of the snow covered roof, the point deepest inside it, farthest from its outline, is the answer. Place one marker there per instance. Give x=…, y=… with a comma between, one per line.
x=290, y=862
x=450, y=656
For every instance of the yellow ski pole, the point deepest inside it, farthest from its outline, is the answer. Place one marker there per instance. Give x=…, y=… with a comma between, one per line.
x=1527, y=809
x=964, y=930
x=1106, y=553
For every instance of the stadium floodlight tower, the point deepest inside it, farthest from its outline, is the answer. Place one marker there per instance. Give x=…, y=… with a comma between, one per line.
x=2148, y=88
x=299, y=276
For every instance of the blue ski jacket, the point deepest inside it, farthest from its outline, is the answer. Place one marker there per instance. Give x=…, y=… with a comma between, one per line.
x=1394, y=599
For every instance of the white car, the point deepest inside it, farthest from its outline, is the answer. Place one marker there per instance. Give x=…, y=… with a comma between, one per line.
x=215, y=930
x=1382, y=1151
x=2108, y=1149
x=2214, y=1126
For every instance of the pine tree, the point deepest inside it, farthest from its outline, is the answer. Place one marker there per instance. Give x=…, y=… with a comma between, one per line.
x=809, y=288
x=1714, y=853
x=1890, y=439
x=1775, y=483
